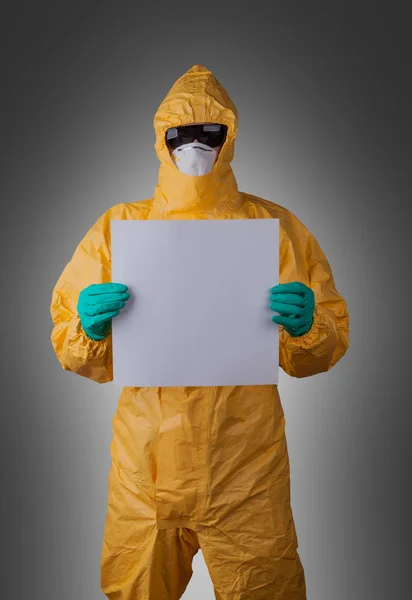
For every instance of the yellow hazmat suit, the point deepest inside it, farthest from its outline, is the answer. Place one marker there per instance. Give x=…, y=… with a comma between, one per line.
x=200, y=467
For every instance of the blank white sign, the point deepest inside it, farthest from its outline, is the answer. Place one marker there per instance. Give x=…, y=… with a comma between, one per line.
x=199, y=310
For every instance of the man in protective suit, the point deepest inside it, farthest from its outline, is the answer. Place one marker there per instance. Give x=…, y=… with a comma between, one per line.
x=200, y=467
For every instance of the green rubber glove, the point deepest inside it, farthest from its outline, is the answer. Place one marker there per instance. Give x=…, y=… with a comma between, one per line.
x=295, y=303
x=98, y=304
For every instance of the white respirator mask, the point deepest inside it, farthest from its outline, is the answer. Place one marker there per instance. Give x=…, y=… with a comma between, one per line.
x=194, y=158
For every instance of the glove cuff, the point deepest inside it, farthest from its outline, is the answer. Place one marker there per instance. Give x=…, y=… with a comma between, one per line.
x=98, y=333
x=301, y=331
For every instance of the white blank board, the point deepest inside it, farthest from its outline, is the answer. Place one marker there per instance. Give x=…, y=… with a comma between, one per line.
x=199, y=310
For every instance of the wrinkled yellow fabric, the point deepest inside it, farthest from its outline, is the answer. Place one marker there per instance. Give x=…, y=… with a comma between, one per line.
x=202, y=467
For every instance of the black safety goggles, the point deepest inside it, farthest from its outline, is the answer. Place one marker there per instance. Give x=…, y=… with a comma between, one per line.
x=211, y=134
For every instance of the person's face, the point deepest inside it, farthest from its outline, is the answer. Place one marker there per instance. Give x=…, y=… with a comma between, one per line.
x=218, y=148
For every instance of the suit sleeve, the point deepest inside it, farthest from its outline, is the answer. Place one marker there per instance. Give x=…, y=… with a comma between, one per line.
x=328, y=339
x=91, y=263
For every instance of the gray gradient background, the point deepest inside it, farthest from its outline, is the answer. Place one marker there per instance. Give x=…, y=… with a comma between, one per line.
x=324, y=99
